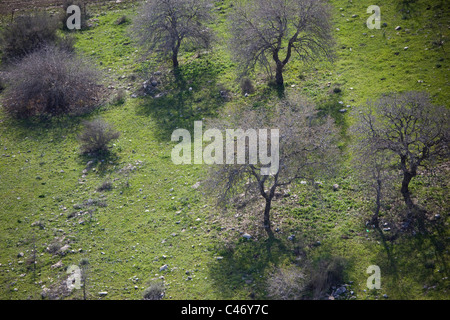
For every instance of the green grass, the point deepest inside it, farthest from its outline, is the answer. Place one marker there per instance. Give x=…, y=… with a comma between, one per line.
x=149, y=204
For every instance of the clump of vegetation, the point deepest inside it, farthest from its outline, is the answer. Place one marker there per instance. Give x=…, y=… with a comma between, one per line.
x=54, y=247
x=26, y=34
x=121, y=20
x=119, y=98
x=107, y=185
x=288, y=283
x=155, y=291
x=96, y=137
x=51, y=82
x=324, y=274
x=247, y=86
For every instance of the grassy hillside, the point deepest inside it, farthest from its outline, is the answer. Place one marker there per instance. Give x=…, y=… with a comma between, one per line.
x=155, y=215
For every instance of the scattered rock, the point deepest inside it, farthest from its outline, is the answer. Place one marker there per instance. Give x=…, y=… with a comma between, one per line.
x=247, y=236
x=398, y=28
x=59, y=264
x=335, y=187
x=164, y=267
x=102, y=293
x=64, y=249
x=340, y=291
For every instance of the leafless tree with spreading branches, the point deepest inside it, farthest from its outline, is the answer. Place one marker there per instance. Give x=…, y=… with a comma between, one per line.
x=165, y=24
x=306, y=149
x=411, y=129
x=273, y=30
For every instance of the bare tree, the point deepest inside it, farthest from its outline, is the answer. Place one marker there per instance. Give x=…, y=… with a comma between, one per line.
x=414, y=130
x=306, y=146
x=272, y=30
x=165, y=24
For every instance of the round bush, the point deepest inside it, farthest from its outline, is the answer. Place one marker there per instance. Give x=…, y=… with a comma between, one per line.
x=51, y=82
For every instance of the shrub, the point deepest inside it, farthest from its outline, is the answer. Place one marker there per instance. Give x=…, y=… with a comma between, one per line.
x=50, y=82
x=105, y=186
x=121, y=20
x=247, y=86
x=119, y=98
x=66, y=43
x=26, y=34
x=96, y=137
x=54, y=247
x=287, y=284
x=325, y=274
x=155, y=291
x=83, y=10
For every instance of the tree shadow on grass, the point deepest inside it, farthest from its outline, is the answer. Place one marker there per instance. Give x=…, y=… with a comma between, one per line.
x=243, y=266
x=42, y=128
x=104, y=163
x=191, y=94
x=415, y=261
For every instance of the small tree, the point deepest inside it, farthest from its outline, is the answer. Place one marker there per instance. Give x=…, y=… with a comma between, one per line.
x=272, y=30
x=51, y=82
x=411, y=129
x=165, y=24
x=306, y=148
x=96, y=137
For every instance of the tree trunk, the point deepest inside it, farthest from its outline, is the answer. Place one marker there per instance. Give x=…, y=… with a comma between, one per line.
x=407, y=195
x=375, y=221
x=175, y=59
x=267, y=217
x=279, y=74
